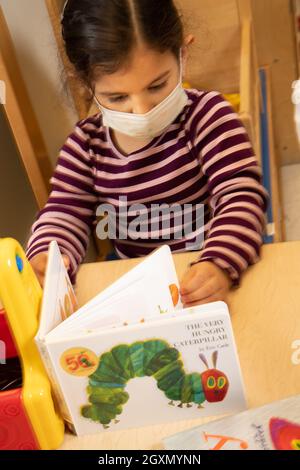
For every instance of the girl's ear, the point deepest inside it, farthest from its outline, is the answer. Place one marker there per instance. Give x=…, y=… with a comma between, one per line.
x=190, y=39
x=187, y=42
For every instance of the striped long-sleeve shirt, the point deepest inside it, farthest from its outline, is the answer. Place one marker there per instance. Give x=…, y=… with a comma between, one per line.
x=203, y=158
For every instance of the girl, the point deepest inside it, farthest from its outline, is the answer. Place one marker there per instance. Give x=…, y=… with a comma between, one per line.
x=152, y=143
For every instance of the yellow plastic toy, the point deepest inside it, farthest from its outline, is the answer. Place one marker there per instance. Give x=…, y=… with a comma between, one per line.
x=32, y=405
x=234, y=99
x=186, y=85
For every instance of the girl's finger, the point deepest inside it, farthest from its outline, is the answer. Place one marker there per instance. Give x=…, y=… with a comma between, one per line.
x=193, y=279
x=66, y=261
x=41, y=279
x=218, y=296
x=185, y=282
x=39, y=262
x=203, y=291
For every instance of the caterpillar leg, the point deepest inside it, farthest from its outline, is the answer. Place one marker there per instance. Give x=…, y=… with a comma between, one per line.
x=200, y=406
x=117, y=421
x=171, y=403
x=189, y=405
x=105, y=426
x=180, y=405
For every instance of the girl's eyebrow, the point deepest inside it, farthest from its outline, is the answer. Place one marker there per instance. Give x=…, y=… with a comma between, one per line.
x=107, y=93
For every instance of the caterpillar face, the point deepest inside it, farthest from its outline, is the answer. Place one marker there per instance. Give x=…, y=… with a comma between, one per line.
x=215, y=385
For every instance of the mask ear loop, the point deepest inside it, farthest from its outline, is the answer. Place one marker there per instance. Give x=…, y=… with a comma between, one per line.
x=63, y=10
x=96, y=101
x=181, y=66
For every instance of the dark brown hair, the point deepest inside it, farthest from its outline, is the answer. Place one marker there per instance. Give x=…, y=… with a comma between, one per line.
x=100, y=35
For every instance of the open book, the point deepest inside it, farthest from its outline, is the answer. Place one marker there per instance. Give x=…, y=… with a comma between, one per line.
x=132, y=356
x=275, y=426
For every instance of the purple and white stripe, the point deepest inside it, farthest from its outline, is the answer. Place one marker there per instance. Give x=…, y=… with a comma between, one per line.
x=204, y=157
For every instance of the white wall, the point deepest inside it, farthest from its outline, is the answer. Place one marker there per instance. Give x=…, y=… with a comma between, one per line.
x=35, y=45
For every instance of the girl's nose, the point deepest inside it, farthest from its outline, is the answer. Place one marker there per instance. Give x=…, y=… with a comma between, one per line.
x=141, y=107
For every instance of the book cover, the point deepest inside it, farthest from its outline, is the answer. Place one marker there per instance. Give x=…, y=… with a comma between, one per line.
x=176, y=368
x=275, y=426
x=132, y=356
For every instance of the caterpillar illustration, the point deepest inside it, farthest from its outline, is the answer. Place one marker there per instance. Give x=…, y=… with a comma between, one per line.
x=153, y=358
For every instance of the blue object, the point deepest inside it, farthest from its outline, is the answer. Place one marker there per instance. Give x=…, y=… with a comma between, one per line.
x=265, y=149
x=112, y=256
x=20, y=263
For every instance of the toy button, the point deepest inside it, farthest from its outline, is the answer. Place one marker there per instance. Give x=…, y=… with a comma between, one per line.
x=20, y=263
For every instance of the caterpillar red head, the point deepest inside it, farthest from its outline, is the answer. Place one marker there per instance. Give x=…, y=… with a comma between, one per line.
x=214, y=382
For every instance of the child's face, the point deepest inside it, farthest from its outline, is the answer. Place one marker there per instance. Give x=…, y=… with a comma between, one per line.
x=137, y=88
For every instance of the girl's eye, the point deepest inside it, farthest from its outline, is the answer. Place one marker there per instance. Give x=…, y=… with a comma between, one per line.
x=117, y=99
x=158, y=87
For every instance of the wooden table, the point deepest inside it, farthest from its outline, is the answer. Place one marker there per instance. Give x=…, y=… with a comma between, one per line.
x=265, y=314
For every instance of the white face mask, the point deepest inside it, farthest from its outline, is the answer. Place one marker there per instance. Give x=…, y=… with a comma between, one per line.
x=151, y=124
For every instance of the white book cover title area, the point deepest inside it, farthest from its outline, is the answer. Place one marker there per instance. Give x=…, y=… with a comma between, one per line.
x=132, y=356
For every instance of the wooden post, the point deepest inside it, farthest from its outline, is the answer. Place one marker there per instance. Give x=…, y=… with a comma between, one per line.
x=244, y=9
x=22, y=120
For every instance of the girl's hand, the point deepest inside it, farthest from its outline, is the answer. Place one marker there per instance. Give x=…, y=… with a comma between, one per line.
x=203, y=283
x=39, y=263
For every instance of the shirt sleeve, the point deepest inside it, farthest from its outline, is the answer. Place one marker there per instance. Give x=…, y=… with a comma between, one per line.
x=238, y=200
x=69, y=213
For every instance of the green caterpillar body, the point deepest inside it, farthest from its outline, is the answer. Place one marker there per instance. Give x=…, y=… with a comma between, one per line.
x=153, y=358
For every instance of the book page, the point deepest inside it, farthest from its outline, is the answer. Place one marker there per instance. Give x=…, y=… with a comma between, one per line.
x=150, y=288
x=59, y=300
x=114, y=321
x=144, y=299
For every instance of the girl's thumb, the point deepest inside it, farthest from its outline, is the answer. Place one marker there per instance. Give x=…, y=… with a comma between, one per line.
x=66, y=261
